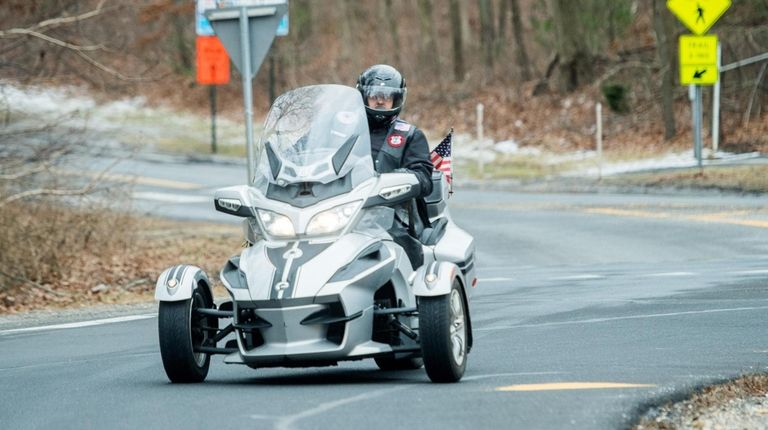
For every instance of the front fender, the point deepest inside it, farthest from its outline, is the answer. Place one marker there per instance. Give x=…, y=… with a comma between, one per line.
x=178, y=282
x=436, y=279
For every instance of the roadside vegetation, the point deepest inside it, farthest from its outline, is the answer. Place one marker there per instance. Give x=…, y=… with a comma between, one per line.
x=737, y=179
x=64, y=258
x=737, y=404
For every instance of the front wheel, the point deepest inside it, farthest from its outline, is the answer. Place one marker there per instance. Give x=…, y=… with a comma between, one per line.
x=181, y=331
x=443, y=334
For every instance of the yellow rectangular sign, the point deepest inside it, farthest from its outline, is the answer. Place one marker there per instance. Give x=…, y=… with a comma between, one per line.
x=698, y=60
x=698, y=15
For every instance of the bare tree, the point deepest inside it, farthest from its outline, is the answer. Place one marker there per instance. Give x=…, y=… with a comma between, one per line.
x=429, y=51
x=64, y=34
x=457, y=39
x=486, y=34
x=663, y=29
x=392, y=23
x=575, y=66
x=501, y=34
x=523, y=63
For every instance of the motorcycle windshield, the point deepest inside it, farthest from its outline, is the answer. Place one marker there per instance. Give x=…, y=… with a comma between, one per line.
x=314, y=134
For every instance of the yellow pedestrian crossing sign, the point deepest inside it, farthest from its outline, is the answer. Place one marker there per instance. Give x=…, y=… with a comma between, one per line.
x=698, y=60
x=698, y=15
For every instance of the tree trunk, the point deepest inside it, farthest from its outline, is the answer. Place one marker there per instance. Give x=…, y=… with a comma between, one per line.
x=458, y=46
x=467, y=36
x=429, y=51
x=301, y=17
x=347, y=53
x=392, y=24
x=523, y=63
x=486, y=34
x=183, y=47
x=500, y=42
x=662, y=28
x=576, y=60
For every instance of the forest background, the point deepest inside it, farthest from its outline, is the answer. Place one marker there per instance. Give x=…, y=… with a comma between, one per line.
x=538, y=67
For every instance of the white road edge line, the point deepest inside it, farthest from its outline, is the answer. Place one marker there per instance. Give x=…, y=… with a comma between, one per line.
x=584, y=277
x=171, y=198
x=78, y=324
x=287, y=422
x=629, y=317
x=669, y=274
x=752, y=272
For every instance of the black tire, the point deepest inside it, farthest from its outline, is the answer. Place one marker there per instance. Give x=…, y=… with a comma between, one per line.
x=389, y=363
x=179, y=334
x=444, y=349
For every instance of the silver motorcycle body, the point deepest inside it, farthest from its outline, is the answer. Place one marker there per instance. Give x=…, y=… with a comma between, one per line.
x=322, y=280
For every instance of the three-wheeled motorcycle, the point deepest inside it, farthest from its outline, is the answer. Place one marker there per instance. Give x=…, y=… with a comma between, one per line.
x=321, y=279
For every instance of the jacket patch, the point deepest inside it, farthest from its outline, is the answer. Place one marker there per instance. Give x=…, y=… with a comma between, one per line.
x=402, y=126
x=395, y=140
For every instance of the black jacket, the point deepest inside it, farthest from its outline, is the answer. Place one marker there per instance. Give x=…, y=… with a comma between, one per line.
x=414, y=156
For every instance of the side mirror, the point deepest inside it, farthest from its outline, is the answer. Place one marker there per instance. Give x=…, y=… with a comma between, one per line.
x=233, y=201
x=393, y=189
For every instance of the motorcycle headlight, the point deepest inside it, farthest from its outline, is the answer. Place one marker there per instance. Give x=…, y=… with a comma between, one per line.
x=333, y=220
x=275, y=224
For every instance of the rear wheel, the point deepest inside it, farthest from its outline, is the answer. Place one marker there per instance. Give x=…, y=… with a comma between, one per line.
x=443, y=334
x=181, y=331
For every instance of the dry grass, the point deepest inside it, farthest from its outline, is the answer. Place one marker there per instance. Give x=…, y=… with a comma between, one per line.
x=671, y=415
x=746, y=179
x=61, y=257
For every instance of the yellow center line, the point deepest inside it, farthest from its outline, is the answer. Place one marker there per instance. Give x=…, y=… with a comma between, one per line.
x=557, y=386
x=628, y=213
x=714, y=218
x=134, y=179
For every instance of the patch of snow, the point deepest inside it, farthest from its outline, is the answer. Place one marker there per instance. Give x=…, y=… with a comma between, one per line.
x=668, y=161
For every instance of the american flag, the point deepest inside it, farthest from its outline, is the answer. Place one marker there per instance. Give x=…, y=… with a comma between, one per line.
x=441, y=157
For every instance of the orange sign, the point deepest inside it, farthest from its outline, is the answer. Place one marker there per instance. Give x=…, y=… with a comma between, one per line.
x=212, y=61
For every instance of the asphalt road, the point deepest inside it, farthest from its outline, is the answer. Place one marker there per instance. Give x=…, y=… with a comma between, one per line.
x=588, y=307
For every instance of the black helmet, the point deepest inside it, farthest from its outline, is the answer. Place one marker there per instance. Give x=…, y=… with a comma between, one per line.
x=384, y=81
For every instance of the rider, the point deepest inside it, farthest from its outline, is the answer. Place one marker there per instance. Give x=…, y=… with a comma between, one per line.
x=396, y=146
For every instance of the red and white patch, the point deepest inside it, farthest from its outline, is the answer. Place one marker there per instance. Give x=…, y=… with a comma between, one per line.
x=395, y=141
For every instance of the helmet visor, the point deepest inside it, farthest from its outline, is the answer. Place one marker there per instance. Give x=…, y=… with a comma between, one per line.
x=382, y=97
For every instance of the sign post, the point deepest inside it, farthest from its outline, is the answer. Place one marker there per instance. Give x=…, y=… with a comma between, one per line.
x=247, y=33
x=698, y=54
x=212, y=60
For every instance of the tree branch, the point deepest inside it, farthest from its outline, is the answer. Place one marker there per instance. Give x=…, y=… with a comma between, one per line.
x=34, y=284
x=628, y=65
x=106, y=69
x=49, y=39
x=60, y=192
x=67, y=20
x=41, y=168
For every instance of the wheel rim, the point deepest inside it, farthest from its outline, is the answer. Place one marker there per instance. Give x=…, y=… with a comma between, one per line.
x=198, y=336
x=457, y=329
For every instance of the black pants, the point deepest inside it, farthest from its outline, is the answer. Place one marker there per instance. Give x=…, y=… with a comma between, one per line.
x=410, y=244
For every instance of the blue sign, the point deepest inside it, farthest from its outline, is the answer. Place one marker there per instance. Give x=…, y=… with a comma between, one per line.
x=202, y=26
x=282, y=29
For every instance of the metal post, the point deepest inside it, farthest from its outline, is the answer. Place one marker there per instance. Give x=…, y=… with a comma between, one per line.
x=212, y=93
x=697, y=124
x=599, y=114
x=716, y=106
x=480, y=161
x=247, y=90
